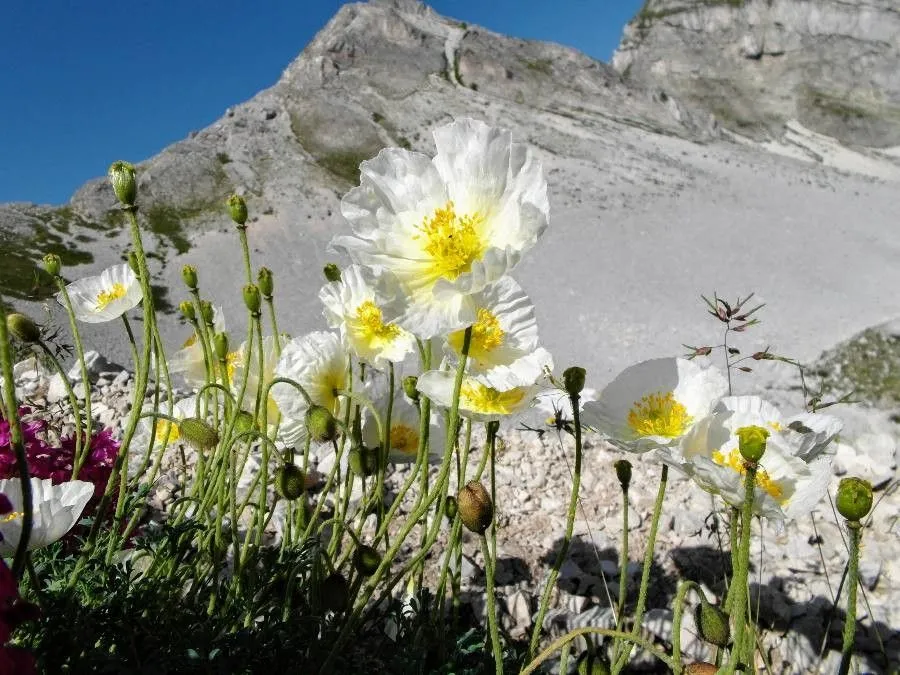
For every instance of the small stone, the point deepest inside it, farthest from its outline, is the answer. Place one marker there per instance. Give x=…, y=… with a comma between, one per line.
x=869, y=571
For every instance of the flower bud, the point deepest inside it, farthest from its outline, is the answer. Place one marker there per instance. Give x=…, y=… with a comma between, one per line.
x=220, y=345
x=237, y=207
x=363, y=461
x=22, y=327
x=623, y=473
x=321, y=424
x=335, y=593
x=198, y=434
x=410, y=383
x=207, y=312
x=332, y=272
x=133, y=263
x=475, y=507
x=712, y=623
x=451, y=508
x=187, y=310
x=52, y=264
x=854, y=498
x=366, y=560
x=121, y=175
x=189, y=274
x=243, y=422
x=700, y=668
x=266, y=284
x=573, y=379
x=251, y=298
x=290, y=481
x=752, y=442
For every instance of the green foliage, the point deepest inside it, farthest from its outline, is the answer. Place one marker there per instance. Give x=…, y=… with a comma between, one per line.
x=344, y=165
x=868, y=364
x=542, y=66
x=223, y=157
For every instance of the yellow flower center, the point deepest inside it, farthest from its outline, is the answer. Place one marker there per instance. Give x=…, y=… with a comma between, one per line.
x=105, y=297
x=9, y=517
x=166, y=432
x=232, y=361
x=735, y=462
x=480, y=398
x=487, y=335
x=404, y=439
x=452, y=241
x=372, y=328
x=658, y=415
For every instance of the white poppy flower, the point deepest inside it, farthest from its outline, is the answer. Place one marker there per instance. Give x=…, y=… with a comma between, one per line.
x=477, y=401
x=188, y=361
x=57, y=509
x=794, y=471
x=653, y=404
x=446, y=227
x=235, y=364
x=354, y=305
x=503, y=350
x=404, y=432
x=104, y=297
x=318, y=362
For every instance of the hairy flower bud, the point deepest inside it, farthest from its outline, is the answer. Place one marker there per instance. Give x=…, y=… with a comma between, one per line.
x=475, y=507
x=410, y=383
x=366, y=560
x=189, y=274
x=22, y=327
x=251, y=298
x=237, y=207
x=52, y=264
x=700, y=668
x=332, y=272
x=451, y=508
x=752, y=442
x=220, y=344
x=290, y=481
x=335, y=593
x=243, y=422
x=186, y=307
x=207, y=312
x=854, y=498
x=321, y=424
x=712, y=623
x=198, y=434
x=623, y=473
x=121, y=176
x=266, y=284
x=573, y=379
x=363, y=461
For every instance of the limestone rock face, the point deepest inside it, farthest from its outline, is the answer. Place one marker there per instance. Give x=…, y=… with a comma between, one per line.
x=830, y=64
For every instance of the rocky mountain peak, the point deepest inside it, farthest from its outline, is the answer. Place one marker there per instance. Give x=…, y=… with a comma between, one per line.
x=830, y=64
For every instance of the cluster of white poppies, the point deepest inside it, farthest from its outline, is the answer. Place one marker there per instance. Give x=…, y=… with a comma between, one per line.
x=678, y=412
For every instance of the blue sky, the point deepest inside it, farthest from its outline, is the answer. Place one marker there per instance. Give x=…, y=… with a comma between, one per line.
x=86, y=83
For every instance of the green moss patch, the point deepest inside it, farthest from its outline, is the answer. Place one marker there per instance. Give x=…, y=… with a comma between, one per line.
x=868, y=364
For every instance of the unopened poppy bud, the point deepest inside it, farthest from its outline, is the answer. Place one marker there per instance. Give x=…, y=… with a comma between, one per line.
x=266, y=284
x=573, y=379
x=752, y=442
x=237, y=207
x=854, y=498
x=332, y=272
x=475, y=507
x=321, y=424
x=712, y=623
x=410, y=383
x=290, y=481
x=335, y=593
x=451, y=508
x=366, y=560
x=251, y=298
x=700, y=668
x=623, y=473
x=121, y=176
x=243, y=422
x=207, y=312
x=363, y=461
x=187, y=310
x=189, y=275
x=220, y=344
x=52, y=264
x=198, y=434
x=22, y=327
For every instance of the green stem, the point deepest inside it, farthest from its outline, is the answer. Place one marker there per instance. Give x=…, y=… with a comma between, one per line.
x=680, y=596
x=242, y=233
x=739, y=581
x=567, y=539
x=852, y=583
x=491, y=609
x=623, y=566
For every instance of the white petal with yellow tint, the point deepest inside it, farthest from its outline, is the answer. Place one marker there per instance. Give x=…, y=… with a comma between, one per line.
x=404, y=431
x=56, y=509
x=239, y=370
x=105, y=297
x=477, y=401
x=188, y=361
x=654, y=403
